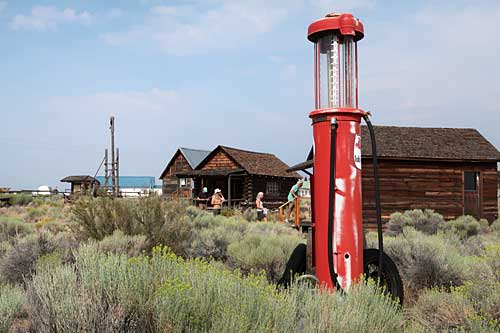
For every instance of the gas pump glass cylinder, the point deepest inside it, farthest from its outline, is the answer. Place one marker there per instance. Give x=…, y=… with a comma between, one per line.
x=336, y=72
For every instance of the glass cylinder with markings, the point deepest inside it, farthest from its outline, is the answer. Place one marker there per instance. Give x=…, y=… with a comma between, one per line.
x=336, y=71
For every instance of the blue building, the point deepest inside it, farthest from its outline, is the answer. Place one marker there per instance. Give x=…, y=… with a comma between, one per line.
x=133, y=186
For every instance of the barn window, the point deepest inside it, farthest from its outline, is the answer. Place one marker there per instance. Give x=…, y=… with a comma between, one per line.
x=273, y=188
x=470, y=180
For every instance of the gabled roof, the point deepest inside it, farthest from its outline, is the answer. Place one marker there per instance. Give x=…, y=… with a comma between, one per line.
x=130, y=181
x=424, y=143
x=79, y=179
x=254, y=163
x=192, y=156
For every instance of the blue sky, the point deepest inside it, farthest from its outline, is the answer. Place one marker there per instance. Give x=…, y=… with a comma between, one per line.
x=239, y=73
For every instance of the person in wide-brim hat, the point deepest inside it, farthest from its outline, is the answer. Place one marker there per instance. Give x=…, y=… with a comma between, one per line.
x=217, y=200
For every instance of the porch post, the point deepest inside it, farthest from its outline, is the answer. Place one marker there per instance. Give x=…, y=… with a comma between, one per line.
x=229, y=191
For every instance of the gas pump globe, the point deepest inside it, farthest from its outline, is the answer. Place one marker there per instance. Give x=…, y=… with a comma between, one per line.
x=335, y=58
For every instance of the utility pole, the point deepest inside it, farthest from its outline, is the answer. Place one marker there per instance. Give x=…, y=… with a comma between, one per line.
x=106, y=170
x=113, y=161
x=117, y=171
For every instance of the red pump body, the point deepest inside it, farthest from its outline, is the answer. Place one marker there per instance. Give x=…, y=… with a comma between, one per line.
x=335, y=38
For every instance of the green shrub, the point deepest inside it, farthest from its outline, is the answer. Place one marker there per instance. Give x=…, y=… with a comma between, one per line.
x=19, y=261
x=160, y=221
x=492, y=257
x=166, y=293
x=119, y=243
x=424, y=261
x=465, y=226
x=485, y=297
x=262, y=253
x=5, y=246
x=426, y=221
x=99, y=217
x=12, y=227
x=11, y=301
x=35, y=214
x=212, y=235
x=49, y=261
x=227, y=212
x=212, y=242
x=188, y=231
x=495, y=226
x=442, y=311
x=250, y=214
x=21, y=199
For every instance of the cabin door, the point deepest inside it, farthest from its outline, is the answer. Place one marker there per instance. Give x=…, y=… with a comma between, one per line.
x=472, y=204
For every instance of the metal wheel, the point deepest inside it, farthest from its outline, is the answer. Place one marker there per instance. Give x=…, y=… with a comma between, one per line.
x=296, y=265
x=391, y=280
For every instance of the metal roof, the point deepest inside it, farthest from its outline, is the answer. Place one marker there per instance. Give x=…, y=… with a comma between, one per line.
x=194, y=156
x=131, y=181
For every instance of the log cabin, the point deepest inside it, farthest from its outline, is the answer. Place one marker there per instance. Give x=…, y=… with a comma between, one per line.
x=241, y=174
x=450, y=170
x=184, y=160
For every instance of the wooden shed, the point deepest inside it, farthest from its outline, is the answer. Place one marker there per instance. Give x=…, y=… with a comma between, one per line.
x=184, y=160
x=450, y=170
x=241, y=174
x=81, y=184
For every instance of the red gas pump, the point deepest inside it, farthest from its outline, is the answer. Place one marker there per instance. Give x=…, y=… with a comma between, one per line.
x=336, y=232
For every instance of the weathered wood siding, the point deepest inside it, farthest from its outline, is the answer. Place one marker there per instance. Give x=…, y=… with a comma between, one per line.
x=179, y=164
x=489, y=186
x=220, y=161
x=419, y=184
x=260, y=185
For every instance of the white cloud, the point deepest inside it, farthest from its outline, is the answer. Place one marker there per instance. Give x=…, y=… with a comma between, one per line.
x=201, y=28
x=115, y=13
x=151, y=101
x=48, y=17
x=3, y=5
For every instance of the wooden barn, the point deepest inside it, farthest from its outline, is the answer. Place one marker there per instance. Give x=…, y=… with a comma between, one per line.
x=450, y=170
x=184, y=160
x=241, y=174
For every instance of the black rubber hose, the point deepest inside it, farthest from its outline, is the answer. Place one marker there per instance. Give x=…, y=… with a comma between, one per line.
x=331, y=203
x=378, y=206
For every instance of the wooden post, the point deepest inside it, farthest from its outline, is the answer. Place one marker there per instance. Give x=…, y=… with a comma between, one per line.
x=297, y=211
x=229, y=191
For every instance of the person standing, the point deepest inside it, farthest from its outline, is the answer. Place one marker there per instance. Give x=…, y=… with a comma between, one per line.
x=203, y=198
x=217, y=200
x=293, y=195
x=261, y=211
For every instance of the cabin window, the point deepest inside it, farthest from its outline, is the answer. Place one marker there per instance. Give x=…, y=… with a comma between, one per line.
x=273, y=188
x=183, y=182
x=470, y=180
